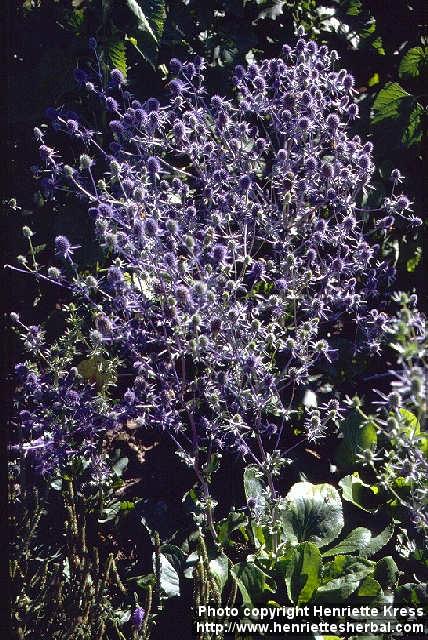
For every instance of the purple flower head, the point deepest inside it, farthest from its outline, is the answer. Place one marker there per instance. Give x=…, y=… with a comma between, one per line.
x=219, y=252
x=175, y=66
x=153, y=165
x=327, y=170
x=216, y=102
x=364, y=161
x=63, y=248
x=151, y=227
x=114, y=276
x=80, y=76
x=353, y=110
x=111, y=104
x=402, y=203
x=348, y=82
x=245, y=183
x=333, y=122
x=137, y=617
x=116, y=78
x=153, y=104
x=176, y=87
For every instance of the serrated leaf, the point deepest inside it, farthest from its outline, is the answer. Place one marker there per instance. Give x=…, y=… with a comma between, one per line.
x=413, y=62
x=358, y=538
x=412, y=133
x=389, y=101
x=116, y=52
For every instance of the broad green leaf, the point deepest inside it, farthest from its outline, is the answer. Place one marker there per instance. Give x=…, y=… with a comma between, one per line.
x=378, y=542
x=413, y=62
x=411, y=427
x=358, y=539
x=313, y=513
x=251, y=582
x=303, y=572
x=358, y=492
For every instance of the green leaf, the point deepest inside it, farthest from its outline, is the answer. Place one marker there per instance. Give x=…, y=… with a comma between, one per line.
x=347, y=565
x=410, y=425
x=388, y=102
x=412, y=593
x=374, y=80
x=378, y=542
x=117, y=55
x=358, y=492
x=303, y=573
x=358, y=538
x=412, y=133
x=358, y=434
x=413, y=262
x=386, y=572
x=338, y=590
x=251, y=582
x=127, y=505
x=312, y=513
x=228, y=525
x=368, y=589
x=413, y=62
x=354, y=8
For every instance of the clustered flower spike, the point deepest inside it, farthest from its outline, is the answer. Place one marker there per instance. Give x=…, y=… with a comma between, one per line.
x=239, y=243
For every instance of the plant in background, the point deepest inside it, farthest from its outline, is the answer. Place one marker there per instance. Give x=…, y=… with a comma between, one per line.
x=401, y=463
